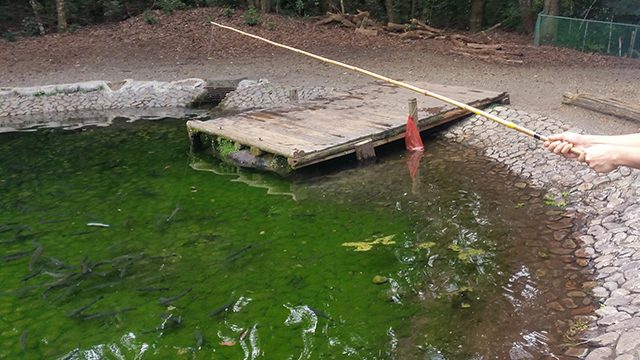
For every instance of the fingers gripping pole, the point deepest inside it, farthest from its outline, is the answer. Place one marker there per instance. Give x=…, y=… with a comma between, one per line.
x=445, y=99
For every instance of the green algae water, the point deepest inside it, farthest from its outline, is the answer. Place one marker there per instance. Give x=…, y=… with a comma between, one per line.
x=116, y=244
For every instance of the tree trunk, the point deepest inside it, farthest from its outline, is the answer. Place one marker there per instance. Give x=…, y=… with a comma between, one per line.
x=62, y=16
x=265, y=6
x=551, y=7
x=389, y=5
x=550, y=30
x=477, y=14
x=528, y=15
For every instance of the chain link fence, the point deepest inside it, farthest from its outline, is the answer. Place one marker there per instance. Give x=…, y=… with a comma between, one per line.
x=589, y=35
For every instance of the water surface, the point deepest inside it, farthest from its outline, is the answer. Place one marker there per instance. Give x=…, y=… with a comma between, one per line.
x=117, y=243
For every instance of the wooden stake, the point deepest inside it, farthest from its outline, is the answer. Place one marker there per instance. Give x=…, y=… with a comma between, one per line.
x=401, y=84
x=413, y=109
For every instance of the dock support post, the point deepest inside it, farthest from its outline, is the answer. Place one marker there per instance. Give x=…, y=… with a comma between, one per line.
x=365, y=150
x=196, y=141
x=413, y=109
x=293, y=94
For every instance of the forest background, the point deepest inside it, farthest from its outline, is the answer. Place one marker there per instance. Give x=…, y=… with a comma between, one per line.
x=37, y=17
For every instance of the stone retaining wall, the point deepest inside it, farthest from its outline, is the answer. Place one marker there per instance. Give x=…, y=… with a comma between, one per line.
x=99, y=95
x=252, y=94
x=609, y=244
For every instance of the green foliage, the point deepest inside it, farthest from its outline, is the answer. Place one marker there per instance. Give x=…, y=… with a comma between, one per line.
x=271, y=25
x=225, y=147
x=227, y=12
x=559, y=202
x=169, y=6
x=298, y=5
x=251, y=16
x=9, y=36
x=30, y=26
x=149, y=18
x=72, y=28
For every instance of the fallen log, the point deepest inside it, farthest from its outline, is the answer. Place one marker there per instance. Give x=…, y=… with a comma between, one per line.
x=367, y=32
x=361, y=15
x=393, y=27
x=420, y=25
x=605, y=105
x=331, y=17
x=417, y=34
x=485, y=46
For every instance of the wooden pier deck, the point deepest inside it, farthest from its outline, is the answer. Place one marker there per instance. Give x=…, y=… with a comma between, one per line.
x=315, y=131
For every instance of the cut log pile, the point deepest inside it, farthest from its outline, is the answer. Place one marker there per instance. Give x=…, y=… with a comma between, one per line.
x=477, y=46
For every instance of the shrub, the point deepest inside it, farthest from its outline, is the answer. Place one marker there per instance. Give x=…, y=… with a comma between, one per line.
x=149, y=18
x=169, y=6
x=30, y=26
x=271, y=25
x=227, y=12
x=251, y=16
x=9, y=36
x=72, y=28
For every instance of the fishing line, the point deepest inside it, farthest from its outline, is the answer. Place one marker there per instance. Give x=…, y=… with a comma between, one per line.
x=445, y=99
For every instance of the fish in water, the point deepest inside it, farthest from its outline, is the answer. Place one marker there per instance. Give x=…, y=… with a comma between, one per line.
x=97, y=224
x=152, y=289
x=23, y=340
x=169, y=322
x=16, y=255
x=173, y=214
x=107, y=313
x=237, y=254
x=36, y=256
x=79, y=311
x=221, y=309
x=169, y=300
x=199, y=339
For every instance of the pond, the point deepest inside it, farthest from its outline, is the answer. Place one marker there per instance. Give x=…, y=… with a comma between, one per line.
x=117, y=243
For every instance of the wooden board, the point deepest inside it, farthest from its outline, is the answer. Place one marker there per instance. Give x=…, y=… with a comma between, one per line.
x=330, y=127
x=603, y=105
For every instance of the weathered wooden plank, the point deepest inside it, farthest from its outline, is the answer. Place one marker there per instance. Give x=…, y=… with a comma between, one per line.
x=605, y=105
x=307, y=133
x=303, y=159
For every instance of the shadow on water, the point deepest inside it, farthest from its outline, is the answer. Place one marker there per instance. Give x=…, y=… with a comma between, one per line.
x=116, y=243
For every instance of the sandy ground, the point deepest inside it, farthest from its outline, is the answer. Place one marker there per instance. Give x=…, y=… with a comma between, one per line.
x=134, y=50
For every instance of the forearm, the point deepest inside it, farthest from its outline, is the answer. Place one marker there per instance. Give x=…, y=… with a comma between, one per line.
x=627, y=156
x=622, y=140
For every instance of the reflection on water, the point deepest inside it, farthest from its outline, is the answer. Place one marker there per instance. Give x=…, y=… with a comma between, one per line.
x=452, y=261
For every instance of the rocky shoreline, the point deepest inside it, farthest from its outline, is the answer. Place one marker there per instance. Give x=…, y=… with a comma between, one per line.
x=99, y=95
x=606, y=247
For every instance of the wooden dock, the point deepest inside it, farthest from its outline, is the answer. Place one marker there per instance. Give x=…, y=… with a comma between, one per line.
x=346, y=122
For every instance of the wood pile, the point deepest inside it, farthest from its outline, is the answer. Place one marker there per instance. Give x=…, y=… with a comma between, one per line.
x=482, y=46
x=476, y=46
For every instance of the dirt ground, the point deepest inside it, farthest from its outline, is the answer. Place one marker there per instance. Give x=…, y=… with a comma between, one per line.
x=185, y=45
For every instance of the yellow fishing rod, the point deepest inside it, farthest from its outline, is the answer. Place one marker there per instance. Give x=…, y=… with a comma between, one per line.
x=455, y=103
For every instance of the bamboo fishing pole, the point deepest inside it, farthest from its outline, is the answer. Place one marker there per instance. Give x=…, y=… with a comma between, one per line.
x=445, y=99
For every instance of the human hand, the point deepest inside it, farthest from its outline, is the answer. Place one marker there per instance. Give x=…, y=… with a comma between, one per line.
x=564, y=142
x=602, y=158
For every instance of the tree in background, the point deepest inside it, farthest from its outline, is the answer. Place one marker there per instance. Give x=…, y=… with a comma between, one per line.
x=62, y=16
x=477, y=15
